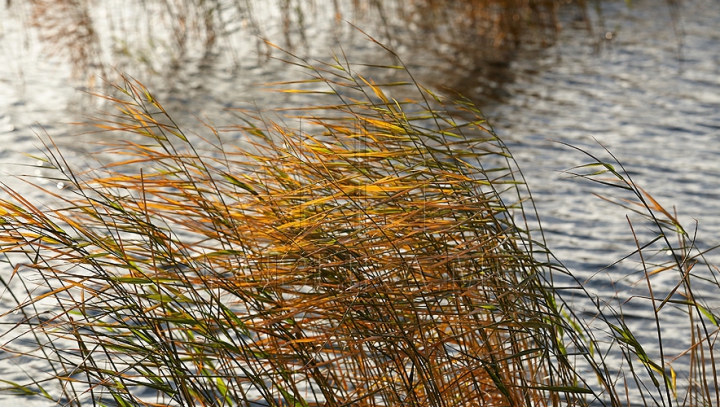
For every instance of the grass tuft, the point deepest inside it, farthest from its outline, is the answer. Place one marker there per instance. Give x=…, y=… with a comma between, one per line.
x=373, y=258
x=372, y=252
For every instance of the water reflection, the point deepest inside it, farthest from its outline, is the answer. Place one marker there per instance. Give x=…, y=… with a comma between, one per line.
x=168, y=43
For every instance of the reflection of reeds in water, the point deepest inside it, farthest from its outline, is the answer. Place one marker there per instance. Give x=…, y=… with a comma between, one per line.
x=496, y=23
x=374, y=260
x=68, y=26
x=164, y=36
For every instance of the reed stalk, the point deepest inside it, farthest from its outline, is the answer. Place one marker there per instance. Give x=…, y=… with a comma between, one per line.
x=361, y=251
x=378, y=256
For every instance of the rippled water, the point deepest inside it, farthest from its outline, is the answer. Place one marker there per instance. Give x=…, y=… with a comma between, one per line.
x=642, y=84
x=651, y=96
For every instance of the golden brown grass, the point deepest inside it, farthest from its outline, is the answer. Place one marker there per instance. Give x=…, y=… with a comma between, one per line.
x=374, y=252
x=371, y=259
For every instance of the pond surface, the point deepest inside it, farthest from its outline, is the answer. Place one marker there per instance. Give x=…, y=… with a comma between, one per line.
x=649, y=94
x=645, y=83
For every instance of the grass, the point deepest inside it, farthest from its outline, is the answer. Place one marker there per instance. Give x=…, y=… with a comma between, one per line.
x=374, y=258
x=687, y=309
x=359, y=251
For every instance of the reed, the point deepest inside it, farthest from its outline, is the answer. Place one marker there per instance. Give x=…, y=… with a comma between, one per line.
x=378, y=256
x=665, y=249
x=360, y=251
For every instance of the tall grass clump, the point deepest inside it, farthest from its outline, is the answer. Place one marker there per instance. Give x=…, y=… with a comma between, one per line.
x=358, y=250
x=379, y=253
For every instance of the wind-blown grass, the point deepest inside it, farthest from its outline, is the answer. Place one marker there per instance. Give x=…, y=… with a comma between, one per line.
x=688, y=309
x=381, y=252
x=372, y=259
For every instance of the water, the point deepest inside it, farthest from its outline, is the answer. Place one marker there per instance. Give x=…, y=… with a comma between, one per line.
x=642, y=83
x=651, y=96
